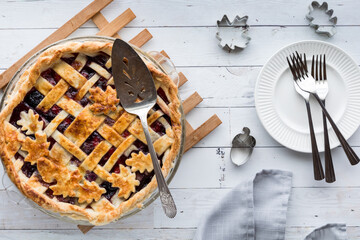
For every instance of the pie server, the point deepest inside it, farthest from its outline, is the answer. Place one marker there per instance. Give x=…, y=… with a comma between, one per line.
x=136, y=89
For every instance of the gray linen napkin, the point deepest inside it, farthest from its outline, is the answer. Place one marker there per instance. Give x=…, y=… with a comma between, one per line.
x=329, y=232
x=256, y=209
x=252, y=210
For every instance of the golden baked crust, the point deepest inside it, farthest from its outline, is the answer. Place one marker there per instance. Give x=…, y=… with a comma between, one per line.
x=104, y=102
x=55, y=169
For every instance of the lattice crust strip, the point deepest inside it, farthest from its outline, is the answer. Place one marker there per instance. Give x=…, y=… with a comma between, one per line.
x=112, y=137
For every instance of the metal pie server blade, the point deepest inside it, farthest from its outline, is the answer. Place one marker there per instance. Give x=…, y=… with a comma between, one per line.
x=137, y=92
x=131, y=76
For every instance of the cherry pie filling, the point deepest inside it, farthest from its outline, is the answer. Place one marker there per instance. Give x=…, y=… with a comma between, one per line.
x=34, y=97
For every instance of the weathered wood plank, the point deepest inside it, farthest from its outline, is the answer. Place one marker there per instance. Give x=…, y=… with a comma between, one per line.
x=261, y=12
x=292, y=233
x=95, y=234
x=221, y=172
x=24, y=216
x=307, y=207
x=184, y=51
x=61, y=33
x=227, y=91
x=202, y=131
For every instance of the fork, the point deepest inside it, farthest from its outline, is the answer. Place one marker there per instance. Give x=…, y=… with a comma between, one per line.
x=307, y=83
x=318, y=71
x=317, y=166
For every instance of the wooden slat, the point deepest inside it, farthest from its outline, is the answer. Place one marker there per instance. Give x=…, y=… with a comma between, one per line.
x=188, y=128
x=188, y=104
x=139, y=40
x=201, y=132
x=164, y=53
x=118, y=23
x=191, y=102
x=84, y=229
x=182, y=79
x=64, y=31
x=101, y=22
x=143, y=37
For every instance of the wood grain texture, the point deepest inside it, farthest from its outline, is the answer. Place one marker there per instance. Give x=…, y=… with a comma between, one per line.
x=192, y=101
x=204, y=52
x=206, y=128
x=101, y=22
x=118, y=23
x=85, y=229
x=308, y=207
x=140, y=39
x=292, y=233
x=225, y=82
x=192, y=137
x=188, y=128
x=177, y=13
x=182, y=79
x=64, y=31
x=110, y=29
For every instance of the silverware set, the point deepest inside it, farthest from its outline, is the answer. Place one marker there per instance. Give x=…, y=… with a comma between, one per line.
x=316, y=85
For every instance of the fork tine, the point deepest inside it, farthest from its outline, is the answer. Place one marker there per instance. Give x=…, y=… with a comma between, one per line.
x=291, y=69
x=320, y=67
x=302, y=64
x=299, y=60
x=316, y=68
x=305, y=63
x=324, y=68
x=297, y=65
x=312, y=66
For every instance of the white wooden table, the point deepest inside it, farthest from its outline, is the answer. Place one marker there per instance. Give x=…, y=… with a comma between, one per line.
x=186, y=30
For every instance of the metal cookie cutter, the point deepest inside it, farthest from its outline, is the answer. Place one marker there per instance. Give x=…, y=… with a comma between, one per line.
x=242, y=147
x=315, y=9
x=233, y=35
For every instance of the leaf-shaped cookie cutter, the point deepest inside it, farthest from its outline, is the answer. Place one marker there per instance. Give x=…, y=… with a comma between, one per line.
x=329, y=31
x=242, y=147
x=239, y=24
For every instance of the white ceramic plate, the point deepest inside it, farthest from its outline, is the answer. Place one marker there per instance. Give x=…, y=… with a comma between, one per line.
x=282, y=111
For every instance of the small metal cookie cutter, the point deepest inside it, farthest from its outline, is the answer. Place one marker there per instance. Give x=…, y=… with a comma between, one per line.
x=242, y=147
x=233, y=35
x=328, y=30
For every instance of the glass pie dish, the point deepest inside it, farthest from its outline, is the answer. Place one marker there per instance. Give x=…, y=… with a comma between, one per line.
x=157, y=60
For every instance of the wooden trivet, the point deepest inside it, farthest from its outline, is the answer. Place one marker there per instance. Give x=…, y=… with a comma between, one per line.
x=92, y=11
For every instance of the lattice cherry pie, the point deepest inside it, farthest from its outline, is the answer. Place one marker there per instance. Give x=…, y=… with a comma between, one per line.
x=69, y=146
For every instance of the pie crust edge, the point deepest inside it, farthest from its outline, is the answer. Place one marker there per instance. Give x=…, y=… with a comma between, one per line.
x=28, y=80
